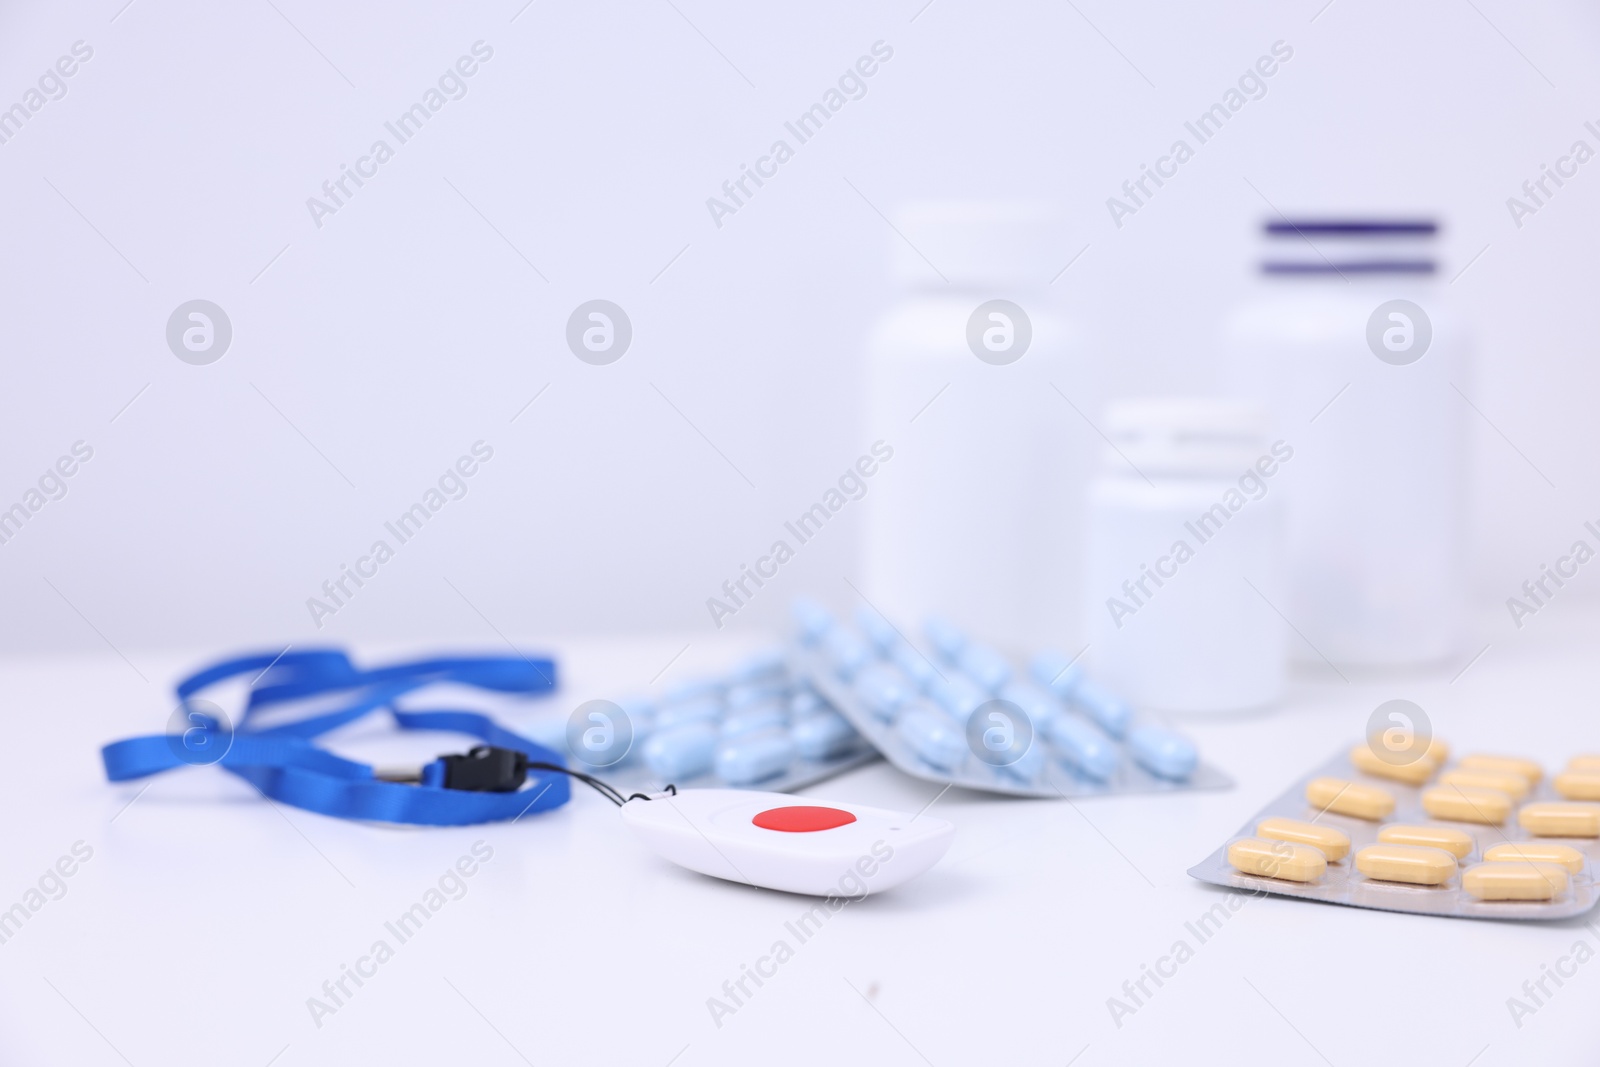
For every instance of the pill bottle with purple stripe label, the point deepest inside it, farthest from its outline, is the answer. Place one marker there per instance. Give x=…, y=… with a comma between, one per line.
x=1351, y=345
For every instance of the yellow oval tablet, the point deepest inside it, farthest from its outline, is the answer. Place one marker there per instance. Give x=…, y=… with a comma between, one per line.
x=1413, y=864
x=1277, y=859
x=1513, y=785
x=1504, y=764
x=1465, y=803
x=1418, y=770
x=1400, y=741
x=1334, y=844
x=1584, y=764
x=1557, y=819
x=1515, y=881
x=1578, y=785
x=1349, y=798
x=1537, y=852
x=1456, y=842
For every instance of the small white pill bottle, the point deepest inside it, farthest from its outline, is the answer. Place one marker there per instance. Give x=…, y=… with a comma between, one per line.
x=1184, y=563
x=972, y=518
x=1363, y=367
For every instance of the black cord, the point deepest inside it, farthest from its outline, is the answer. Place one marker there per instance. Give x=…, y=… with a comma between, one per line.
x=605, y=789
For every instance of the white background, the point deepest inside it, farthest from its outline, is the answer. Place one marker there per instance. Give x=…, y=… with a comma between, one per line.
x=406, y=327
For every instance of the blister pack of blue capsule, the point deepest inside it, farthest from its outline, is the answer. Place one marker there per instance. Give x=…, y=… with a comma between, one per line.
x=963, y=714
x=754, y=726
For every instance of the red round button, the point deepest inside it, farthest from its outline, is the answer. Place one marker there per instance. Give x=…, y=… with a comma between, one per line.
x=802, y=819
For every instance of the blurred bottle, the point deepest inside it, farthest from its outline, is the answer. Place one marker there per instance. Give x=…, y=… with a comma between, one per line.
x=1355, y=351
x=1185, y=548
x=972, y=519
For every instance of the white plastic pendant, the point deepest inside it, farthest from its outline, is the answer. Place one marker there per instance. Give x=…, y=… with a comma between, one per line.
x=789, y=843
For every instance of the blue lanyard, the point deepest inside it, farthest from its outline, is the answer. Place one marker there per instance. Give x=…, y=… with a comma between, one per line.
x=484, y=785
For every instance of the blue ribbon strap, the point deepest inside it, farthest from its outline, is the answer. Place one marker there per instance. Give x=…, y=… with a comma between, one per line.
x=282, y=762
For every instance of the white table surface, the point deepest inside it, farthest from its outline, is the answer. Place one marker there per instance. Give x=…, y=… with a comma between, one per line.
x=206, y=918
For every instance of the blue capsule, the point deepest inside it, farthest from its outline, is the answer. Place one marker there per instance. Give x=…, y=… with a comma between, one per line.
x=683, y=752
x=1163, y=753
x=881, y=690
x=749, y=694
x=692, y=689
x=1083, y=748
x=846, y=652
x=934, y=737
x=806, y=701
x=770, y=664
x=769, y=716
x=879, y=630
x=1107, y=710
x=959, y=697
x=704, y=709
x=985, y=666
x=640, y=717
x=945, y=638
x=641, y=713
x=823, y=735
x=917, y=668
x=1039, y=706
x=1032, y=762
x=1056, y=672
x=811, y=619
x=753, y=757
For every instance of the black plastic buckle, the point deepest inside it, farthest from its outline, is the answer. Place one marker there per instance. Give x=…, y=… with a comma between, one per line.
x=486, y=769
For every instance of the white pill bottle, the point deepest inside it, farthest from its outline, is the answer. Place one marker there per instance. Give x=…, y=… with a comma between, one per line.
x=1184, y=556
x=972, y=519
x=1351, y=345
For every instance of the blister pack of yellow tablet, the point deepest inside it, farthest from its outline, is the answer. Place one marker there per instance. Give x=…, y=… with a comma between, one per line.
x=1399, y=825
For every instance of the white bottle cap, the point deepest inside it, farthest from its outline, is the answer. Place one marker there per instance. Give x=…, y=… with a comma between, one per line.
x=1184, y=436
x=976, y=244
